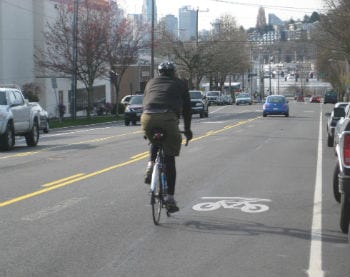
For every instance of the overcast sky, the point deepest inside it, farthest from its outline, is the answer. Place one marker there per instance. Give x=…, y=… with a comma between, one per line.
x=245, y=11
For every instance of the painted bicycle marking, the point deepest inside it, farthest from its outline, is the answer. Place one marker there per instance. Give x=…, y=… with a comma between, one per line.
x=247, y=205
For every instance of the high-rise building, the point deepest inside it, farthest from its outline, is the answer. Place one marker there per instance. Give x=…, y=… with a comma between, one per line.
x=147, y=11
x=187, y=23
x=170, y=23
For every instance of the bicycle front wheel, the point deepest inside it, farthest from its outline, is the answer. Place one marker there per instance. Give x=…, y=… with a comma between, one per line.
x=156, y=199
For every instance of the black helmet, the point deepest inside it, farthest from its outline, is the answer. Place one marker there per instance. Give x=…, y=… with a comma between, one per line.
x=167, y=69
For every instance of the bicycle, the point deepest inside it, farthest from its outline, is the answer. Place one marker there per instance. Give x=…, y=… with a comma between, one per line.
x=158, y=187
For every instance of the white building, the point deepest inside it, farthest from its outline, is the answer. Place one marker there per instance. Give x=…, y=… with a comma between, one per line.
x=22, y=23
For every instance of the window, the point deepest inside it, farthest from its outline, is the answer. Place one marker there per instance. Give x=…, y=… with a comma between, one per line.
x=3, y=100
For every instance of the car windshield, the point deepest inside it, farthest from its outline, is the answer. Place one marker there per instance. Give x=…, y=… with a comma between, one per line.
x=136, y=100
x=242, y=95
x=213, y=93
x=3, y=100
x=196, y=95
x=339, y=112
x=274, y=99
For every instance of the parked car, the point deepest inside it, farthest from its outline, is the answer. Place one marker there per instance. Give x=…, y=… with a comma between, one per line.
x=276, y=105
x=43, y=116
x=299, y=98
x=243, y=98
x=315, y=99
x=333, y=117
x=199, y=103
x=227, y=99
x=214, y=97
x=330, y=97
x=133, y=110
x=17, y=118
x=341, y=185
x=338, y=127
x=125, y=100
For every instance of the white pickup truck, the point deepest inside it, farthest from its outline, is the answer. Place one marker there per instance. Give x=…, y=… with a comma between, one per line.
x=17, y=118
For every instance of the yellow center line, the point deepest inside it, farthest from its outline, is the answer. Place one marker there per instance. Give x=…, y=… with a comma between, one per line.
x=81, y=176
x=62, y=180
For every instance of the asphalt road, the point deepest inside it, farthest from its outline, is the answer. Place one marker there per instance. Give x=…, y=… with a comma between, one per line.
x=255, y=199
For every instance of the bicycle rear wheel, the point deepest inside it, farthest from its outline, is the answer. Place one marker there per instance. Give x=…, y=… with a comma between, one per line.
x=157, y=199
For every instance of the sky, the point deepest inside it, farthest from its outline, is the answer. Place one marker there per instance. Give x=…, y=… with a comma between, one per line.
x=244, y=11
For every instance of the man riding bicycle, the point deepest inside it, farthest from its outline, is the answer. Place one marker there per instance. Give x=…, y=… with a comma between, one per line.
x=166, y=97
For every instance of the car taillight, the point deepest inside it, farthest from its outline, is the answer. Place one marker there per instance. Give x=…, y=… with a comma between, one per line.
x=346, y=150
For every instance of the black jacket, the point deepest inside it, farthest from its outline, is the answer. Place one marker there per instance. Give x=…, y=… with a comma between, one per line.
x=171, y=94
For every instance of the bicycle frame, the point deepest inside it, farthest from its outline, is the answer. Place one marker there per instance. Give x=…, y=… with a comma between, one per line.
x=158, y=181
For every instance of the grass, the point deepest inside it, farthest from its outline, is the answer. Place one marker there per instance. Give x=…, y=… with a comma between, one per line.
x=67, y=122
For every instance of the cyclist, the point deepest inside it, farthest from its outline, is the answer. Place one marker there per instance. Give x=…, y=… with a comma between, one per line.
x=166, y=97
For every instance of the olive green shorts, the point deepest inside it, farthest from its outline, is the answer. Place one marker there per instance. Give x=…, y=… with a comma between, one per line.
x=168, y=122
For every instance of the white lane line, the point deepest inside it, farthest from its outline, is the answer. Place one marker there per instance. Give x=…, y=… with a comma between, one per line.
x=315, y=263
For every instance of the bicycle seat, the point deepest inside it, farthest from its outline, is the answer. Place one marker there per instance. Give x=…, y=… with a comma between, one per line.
x=158, y=134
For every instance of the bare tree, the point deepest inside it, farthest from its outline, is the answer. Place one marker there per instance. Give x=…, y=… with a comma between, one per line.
x=124, y=43
x=261, y=20
x=191, y=58
x=333, y=43
x=230, y=50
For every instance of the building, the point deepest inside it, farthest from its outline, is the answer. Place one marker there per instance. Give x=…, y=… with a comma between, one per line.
x=187, y=23
x=22, y=25
x=147, y=11
x=170, y=23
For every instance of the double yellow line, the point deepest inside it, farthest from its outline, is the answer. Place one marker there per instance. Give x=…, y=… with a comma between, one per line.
x=82, y=176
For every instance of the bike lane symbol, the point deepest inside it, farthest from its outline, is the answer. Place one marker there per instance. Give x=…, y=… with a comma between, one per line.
x=247, y=205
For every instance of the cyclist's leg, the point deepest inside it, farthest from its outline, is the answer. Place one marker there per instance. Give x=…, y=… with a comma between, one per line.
x=170, y=173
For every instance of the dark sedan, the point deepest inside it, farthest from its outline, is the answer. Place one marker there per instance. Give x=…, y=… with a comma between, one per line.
x=199, y=103
x=133, y=110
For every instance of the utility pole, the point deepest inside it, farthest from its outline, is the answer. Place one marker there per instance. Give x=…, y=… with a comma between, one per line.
x=75, y=58
x=152, y=41
x=197, y=12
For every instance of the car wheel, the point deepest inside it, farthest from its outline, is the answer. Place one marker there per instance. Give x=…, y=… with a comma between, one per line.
x=344, y=213
x=127, y=123
x=7, y=140
x=201, y=115
x=337, y=194
x=287, y=114
x=32, y=138
x=330, y=141
x=264, y=115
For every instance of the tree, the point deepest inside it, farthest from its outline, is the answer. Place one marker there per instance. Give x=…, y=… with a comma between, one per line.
x=333, y=43
x=192, y=59
x=124, y=43
x=335, y=21
x=261, y=20
x=229, y=50
x=31, y=92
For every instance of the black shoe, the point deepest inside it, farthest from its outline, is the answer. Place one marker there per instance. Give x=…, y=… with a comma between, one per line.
x=148, y=174
x=171, y=206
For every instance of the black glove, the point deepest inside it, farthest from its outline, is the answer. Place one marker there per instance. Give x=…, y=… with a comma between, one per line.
x=188, y=134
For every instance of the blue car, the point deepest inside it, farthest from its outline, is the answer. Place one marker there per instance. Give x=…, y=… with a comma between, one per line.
x=276, y=105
